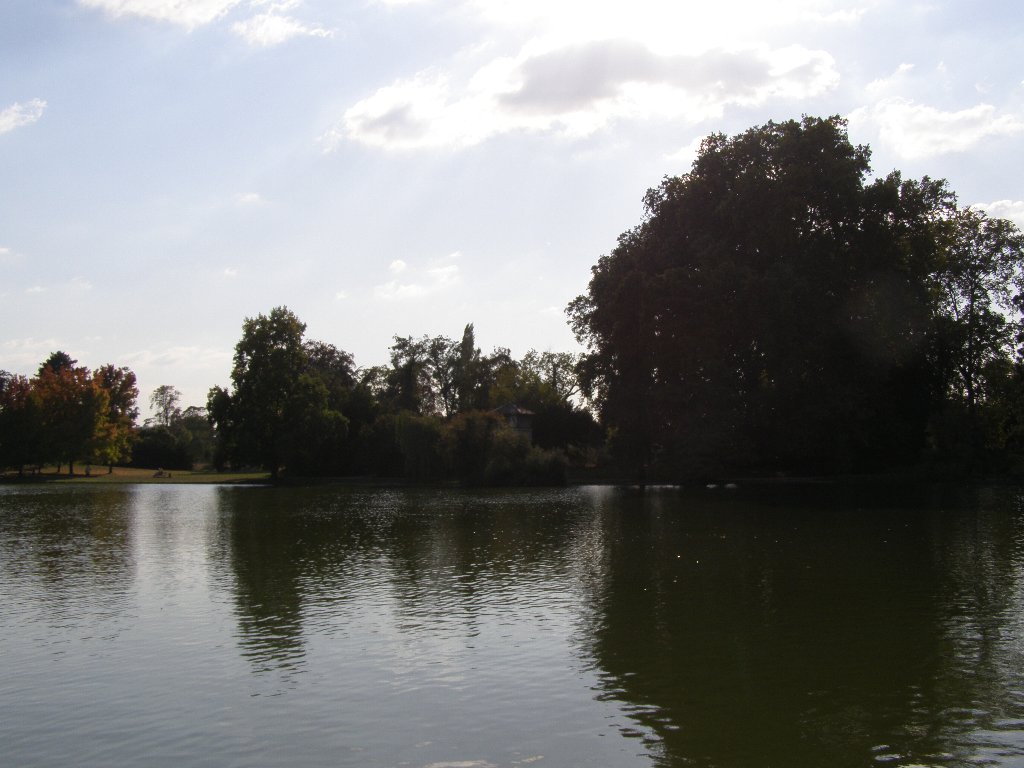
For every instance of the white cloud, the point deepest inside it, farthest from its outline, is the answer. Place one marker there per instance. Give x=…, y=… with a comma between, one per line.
x=341, y=295
x=916, y=130
x=18, y=114
x=397, y=267
x=25, y=355
x=176, y=357
x=268, y=29
x=442, y=275
x=75, y=284
x=276, y=6
x=1005, y=209
x=578, y=89
x=249, y=198
x=574, y=67
x=667, y=27
x=885, y=85
x=187, y=13
x=683, y=157
x=395, y=291
x=230, y=272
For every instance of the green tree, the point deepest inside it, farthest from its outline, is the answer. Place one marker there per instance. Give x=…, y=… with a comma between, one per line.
x=977, y=284
x=186, y=441
x=423, y=378
x=314, y=435
x=555, y=373
x=280, y=412
x=194, y=425
x=218, y=411
x=980, y=280
x=769, y=312
x=160, y=447
x=408, y=382
x=269, y=358
x=164, y=401
x=466, y=380
x=21, y=436
x=114, y=444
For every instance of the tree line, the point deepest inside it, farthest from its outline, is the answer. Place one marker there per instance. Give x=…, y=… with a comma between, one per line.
x=779, y=309
x=67, y=413
x=301, y=408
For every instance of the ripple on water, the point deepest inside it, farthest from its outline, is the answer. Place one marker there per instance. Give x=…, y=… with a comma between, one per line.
x=443, y=629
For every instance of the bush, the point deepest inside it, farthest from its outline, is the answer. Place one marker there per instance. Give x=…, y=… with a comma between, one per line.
x=159, y=447
x=481, y=449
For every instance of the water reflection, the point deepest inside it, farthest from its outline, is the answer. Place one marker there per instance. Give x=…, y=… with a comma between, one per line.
x=267, y=552
x=585, y=626
x=72, y=549
x=408, y=562
x=821, y=631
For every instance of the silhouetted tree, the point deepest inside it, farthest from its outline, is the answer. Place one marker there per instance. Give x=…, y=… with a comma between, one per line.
x=769, y=313
x=164, y=401
x=279, y=413
x=21, y=423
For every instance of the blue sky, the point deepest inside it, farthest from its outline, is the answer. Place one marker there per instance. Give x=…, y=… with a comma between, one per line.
x=170, y=167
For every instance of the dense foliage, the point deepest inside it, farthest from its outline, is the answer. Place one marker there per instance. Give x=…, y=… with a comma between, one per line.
x=174, y=438
x=776, y=310
x=66, y=413
x=302, y=407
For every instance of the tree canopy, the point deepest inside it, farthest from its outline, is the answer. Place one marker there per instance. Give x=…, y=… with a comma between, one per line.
x=302, y=407
x=777, y=309
x=67, y=413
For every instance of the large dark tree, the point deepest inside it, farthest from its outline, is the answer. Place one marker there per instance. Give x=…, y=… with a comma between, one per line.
x=770, y=312
x=280, y=414
x=21, y=423
x=269, y=358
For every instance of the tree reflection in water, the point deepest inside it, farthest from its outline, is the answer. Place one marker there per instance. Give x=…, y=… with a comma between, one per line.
x=73, y=546
x=821, y=628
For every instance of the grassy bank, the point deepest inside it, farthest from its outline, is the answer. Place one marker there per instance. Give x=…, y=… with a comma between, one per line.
x=123, y=475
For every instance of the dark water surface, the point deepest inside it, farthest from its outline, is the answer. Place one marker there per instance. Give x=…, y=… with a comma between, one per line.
x=214, y=626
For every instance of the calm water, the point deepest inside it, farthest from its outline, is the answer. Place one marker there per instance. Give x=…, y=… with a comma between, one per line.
x=210, y=626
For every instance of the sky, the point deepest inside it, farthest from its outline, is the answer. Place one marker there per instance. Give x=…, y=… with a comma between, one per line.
x=404, y=167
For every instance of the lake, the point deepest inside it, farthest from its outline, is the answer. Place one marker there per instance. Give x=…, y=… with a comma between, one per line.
x=798, y=625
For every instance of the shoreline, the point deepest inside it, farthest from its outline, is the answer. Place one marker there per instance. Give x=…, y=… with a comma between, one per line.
x=134, y=476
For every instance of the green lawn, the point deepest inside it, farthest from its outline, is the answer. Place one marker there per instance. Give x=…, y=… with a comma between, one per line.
x=100, y=476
